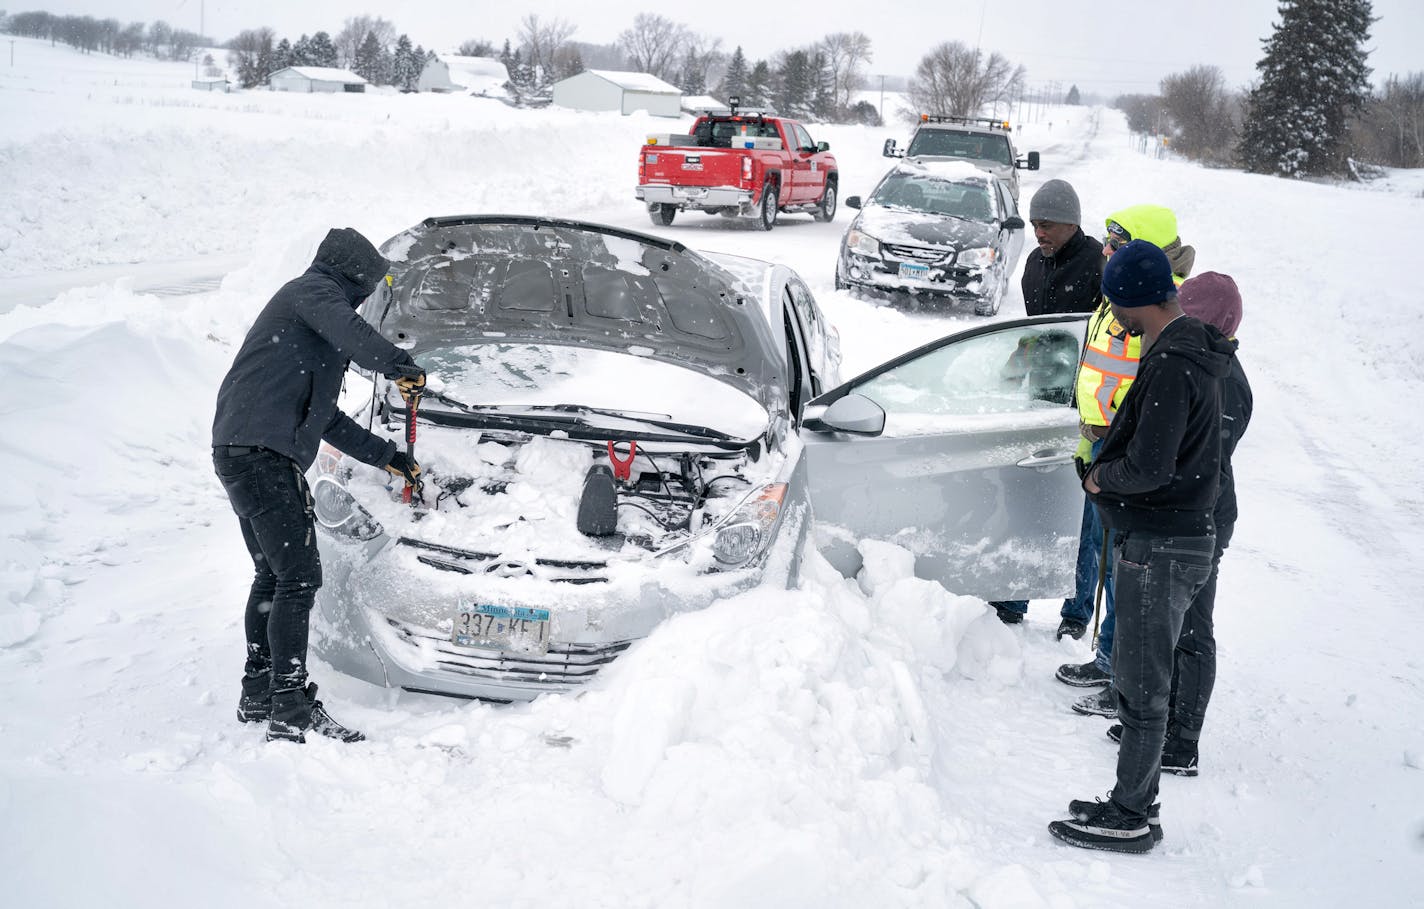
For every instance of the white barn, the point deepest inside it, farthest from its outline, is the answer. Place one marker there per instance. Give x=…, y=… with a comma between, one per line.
x=483, y=76
x=316, y=79
x=694, y=104
x=600, y=89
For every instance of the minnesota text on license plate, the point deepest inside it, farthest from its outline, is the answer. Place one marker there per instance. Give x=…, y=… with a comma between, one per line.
x=501, y=627
x=909, y=270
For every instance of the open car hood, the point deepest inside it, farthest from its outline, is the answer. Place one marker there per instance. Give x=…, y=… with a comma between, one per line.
x=515, y=279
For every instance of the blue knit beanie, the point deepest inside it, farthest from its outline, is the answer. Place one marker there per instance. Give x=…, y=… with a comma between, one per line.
x=1138, y=274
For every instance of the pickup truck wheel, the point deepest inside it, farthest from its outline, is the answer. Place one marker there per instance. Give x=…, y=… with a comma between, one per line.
x=662, y=215
x=768, y=207
x=827, y=209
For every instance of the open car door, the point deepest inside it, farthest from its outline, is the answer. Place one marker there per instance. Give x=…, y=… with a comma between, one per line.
x=962, y=452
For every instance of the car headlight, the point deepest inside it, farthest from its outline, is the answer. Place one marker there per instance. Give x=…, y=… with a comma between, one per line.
x=338, y=511
x=745, y=535
x=980, y=257
x=862, y=242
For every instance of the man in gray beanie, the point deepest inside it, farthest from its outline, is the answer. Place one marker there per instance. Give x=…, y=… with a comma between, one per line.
x=1065, y=272
x=1063, y=275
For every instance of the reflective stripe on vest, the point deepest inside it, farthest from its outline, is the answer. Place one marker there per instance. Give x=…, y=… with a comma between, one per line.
x=1108, y=367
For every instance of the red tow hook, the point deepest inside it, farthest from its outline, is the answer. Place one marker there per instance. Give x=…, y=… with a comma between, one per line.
x=623, y=469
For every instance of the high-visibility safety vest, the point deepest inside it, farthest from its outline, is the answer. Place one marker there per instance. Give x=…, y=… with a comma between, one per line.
x=1110, y=355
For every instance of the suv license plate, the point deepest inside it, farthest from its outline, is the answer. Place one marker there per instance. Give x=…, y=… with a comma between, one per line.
x=513, y=628
x=911, y=270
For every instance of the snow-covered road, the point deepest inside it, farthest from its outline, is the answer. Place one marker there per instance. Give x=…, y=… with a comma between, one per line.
x=831, y=746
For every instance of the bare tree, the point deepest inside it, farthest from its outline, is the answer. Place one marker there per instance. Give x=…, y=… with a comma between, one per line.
x=654, y=45
x=847, y=53
x=353, y=35
x=1390, y=130
x=702, y=54
x=1200, y=109
x=957, y=80
x=250, y=53
x=542, y=41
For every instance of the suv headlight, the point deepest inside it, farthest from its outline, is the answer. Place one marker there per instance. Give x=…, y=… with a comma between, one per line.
x=863, y=243
x=979, y=257
x=747, y=532
x=338, y=511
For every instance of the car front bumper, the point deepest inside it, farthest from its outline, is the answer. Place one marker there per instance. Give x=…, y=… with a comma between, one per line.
x=884, y=274
x=384, y=616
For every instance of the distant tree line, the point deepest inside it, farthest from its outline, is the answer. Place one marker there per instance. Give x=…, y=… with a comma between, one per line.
x=107, y=36
x=366, y=45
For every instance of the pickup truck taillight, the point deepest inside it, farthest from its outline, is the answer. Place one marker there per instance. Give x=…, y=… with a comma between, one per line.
x=747, y=168
x=642, y=168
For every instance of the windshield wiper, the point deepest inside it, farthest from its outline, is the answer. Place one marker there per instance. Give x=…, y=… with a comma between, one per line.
x=547, y=415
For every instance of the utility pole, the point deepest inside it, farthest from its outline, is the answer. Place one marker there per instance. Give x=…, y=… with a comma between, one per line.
x=882, y=95
x=12, y=51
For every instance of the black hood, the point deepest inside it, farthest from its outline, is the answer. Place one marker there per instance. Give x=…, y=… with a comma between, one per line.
x=1198, y=342
x=347, y=254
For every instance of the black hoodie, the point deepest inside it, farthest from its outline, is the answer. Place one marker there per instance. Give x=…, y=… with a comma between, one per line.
x=282, y=389
x=1160, y=466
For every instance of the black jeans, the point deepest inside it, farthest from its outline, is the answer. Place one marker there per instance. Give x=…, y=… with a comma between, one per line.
x=1156, y=579
x=274, y=510
x=1194, y=666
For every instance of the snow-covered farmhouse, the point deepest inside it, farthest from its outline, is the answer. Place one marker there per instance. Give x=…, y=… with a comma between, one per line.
x=316, y=79
x=600, y=89
x=693, y=104
x=483, y=76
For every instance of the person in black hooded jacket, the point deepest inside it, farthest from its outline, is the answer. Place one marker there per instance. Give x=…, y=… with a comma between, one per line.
x=1155, y=486
x=1064, y=273
x=276, y=405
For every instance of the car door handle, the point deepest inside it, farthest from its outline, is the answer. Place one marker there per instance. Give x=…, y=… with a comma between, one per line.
x=1049, y=458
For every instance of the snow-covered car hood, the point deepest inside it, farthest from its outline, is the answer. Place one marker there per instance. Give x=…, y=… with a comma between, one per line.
x=513, y=279
x=901, y=226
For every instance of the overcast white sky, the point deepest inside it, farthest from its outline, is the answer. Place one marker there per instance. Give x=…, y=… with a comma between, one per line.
x=1103, y=47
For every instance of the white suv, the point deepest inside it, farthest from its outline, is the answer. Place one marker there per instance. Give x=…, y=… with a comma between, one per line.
x=984, y=142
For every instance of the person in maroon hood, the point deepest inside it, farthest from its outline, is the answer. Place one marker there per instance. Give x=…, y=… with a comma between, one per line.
x=1155, y=486
x=1214, y=299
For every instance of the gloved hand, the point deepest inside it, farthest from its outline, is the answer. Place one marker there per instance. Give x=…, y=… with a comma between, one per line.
x=404, y=467
x=1081, y=466
x=411, y=384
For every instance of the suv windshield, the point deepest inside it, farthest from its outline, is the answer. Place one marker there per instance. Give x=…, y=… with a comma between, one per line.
x=960, y=143
x=917, y=192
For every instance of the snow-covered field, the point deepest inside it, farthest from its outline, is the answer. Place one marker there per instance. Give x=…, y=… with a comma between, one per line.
x=887, y=744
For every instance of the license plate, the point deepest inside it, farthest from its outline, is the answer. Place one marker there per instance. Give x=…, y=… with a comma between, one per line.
x=513, y=628
x=911, y=270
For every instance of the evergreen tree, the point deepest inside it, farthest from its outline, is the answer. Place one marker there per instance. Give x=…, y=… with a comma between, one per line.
x=759, y=86
x=405, y=71
x=322, y=51
x=1074, y=97
x=823, y=98
x=796, y=91
x=1313, y=77
x=370, y=61
x=282, y=55
x=734, y=80
x=301, y=52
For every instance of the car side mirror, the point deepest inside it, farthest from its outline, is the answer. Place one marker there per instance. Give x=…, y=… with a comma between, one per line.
x=890, y=150
x=1033, y=160
x=1013, y=222
x=852, y=202
x=823, y=146
x=853, y=413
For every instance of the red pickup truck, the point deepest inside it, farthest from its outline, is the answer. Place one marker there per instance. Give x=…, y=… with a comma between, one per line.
x=746, y=164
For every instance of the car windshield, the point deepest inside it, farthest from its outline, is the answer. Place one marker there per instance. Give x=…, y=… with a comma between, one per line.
x=952, y=143
x=919, y=192
x=515, y=376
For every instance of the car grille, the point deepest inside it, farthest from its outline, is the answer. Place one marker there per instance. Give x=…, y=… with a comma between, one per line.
x=470, y=561
x=915, y=253
x=563, y=666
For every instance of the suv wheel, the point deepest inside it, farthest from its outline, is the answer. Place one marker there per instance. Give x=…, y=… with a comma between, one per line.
x=768, y=207
x=662, y=215
x=827, y=209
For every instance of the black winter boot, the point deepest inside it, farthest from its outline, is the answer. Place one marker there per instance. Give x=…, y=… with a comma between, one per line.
x=1008, y=616
x=1179, y=756
x=1071, y=628
x=295, y=711
x=1104, y=703
x=1085, y=675
x=255, y=705
x=1103, y=825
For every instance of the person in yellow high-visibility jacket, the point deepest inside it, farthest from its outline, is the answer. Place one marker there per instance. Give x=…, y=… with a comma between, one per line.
x=1105, y=372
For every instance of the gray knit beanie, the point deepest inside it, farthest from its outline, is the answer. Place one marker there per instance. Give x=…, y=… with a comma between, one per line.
x=1055, y=201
